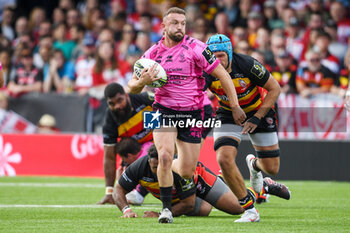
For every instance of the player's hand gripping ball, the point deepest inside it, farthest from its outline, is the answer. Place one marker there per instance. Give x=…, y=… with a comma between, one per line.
x=145, y=63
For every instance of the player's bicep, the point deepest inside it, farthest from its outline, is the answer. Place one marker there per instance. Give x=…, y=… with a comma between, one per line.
x=271, y=84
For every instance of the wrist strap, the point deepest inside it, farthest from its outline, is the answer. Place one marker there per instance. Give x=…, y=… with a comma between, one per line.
x=254, y=120
x=126, y=209
x=109, y=190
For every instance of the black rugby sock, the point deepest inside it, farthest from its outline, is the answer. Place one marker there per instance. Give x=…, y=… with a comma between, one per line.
x=166, y=197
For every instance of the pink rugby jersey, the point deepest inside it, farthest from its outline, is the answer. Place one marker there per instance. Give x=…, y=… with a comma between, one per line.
x=184, y=65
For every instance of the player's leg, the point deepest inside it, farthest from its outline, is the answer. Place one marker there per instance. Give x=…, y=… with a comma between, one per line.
x=201, y=208
x=227, y=139
x=188, y=154
x=222, y=198
x=268, y=153
x=164, y=140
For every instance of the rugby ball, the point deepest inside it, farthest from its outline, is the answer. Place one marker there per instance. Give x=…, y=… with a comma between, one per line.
x=148, y=63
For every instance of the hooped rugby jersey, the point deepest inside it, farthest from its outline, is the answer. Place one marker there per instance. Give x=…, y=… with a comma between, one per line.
x=184, y=65
x=139, y=172
x=247, y=75
x=133, y=127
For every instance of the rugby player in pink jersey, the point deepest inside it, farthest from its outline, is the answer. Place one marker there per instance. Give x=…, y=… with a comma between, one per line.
x=181, y=98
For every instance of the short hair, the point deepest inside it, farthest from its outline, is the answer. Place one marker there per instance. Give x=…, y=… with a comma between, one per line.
x=113, y=89
x=126, y=146
x=152, y=152
x=175, y=10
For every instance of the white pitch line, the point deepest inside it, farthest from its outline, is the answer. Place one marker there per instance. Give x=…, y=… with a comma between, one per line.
x=53, y=185
x=143, y=207
x=146, y=206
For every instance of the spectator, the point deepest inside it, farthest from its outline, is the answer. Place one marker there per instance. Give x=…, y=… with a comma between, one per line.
x=47, y=124
x=60, y=42
x=344, y=80
x=314, y=78
x=66, y=4
x=128, y=38
x=239, y=33
x=116, y=24
x=6, y=23
x=222, y=24
x=316, y=6
x=72, y=19
x=278, y=42
x=37, y=15
x=98, y=26
x=336, y=47
x=58, y=17
x=143, y=41
x=8, y=70
x=243, y=47
x=192, y=12
x=146, y=26
x=280, y=6
x=22, y=26
x=285, y=72
x=84, y=66
x=231, y=9
x=322, y=43
x=27, y=78
x=105, y=70
x=44, y=48
x=254, y=22
x=77, y=35
x=263, y=43
x=58, y=74
x=200, y=29
x=45, y=28
x=117, y=7
x=271, y=15
x=294, y=42
x=142, y=7
x=338, y=14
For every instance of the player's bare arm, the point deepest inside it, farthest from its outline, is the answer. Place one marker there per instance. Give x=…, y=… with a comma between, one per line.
x=220, y=73
x=148, y=76
x=273, y=91
x=121, y=202
x=109, y=165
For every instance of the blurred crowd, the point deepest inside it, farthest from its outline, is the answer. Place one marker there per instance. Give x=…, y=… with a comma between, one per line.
x=84, y=45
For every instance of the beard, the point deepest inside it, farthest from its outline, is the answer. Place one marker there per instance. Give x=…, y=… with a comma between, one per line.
x=176, y=38
x=123, y=115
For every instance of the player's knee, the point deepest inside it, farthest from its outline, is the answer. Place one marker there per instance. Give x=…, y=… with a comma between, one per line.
x=165, y=158
x=272, y=170
x=226, y=159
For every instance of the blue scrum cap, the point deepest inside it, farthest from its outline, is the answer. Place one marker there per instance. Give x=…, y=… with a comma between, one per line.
x=220, y=43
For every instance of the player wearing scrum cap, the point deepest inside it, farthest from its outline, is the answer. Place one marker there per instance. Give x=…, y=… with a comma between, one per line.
x=248, y=75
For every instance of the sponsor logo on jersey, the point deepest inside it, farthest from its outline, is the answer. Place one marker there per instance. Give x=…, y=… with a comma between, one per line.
x=209, y=56
x=258, y=70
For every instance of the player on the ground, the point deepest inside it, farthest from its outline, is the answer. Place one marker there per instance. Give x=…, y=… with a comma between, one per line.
x=184, y=59
x=248, y=75
x=192, y=200
x=123, y=119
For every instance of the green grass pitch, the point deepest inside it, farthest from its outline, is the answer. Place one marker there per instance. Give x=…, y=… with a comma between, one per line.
x=40, y=204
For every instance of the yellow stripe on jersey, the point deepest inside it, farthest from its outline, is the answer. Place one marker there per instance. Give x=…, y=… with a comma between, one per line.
x=152, y=185
x=255, y=89
x=252, y=107
x=134, y=120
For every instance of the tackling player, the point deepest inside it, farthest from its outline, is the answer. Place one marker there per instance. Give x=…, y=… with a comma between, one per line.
x=184, y=59
x=247, y=75
x=123, y=119
x=189, y=199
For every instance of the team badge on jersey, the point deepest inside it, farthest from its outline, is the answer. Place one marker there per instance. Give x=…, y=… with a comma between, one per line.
x=258, y=70
x=242, y=83
x=187, y=184
x=209, y=55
